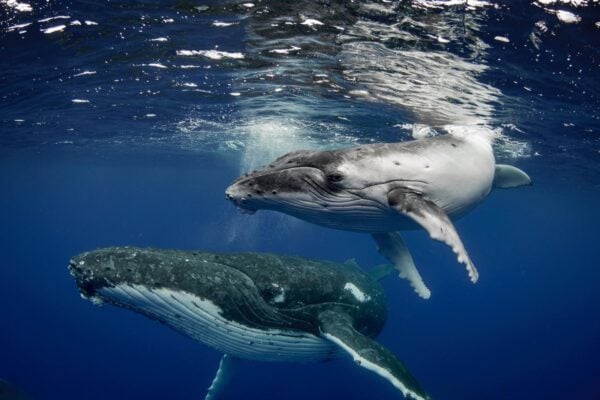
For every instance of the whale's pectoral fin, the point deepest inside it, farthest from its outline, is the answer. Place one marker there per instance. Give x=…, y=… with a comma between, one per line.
x=337, y=327
x=435, y=221
x=392, y=247
x=226, y=369
x=380, y=271
x=507, y=176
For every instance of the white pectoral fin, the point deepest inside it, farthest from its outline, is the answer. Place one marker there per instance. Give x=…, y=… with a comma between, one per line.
x=435, y=221
x=367, y=353
x=507, y=176
x=392, y=247
x=226, y=369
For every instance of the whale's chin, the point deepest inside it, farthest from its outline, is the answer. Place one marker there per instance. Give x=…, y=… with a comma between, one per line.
x=247, y=211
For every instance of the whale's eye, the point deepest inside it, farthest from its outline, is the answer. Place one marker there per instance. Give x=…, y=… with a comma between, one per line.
x=335, y=177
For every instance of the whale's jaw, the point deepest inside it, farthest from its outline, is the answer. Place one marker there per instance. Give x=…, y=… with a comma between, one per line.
x=203, y=320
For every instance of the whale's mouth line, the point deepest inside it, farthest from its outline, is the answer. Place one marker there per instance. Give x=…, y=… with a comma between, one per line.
x=240, y=204
x=388, y=182
x=324, y=194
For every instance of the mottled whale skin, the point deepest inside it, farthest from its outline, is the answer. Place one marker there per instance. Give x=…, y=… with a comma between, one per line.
x=384, y=188
x=256, y=306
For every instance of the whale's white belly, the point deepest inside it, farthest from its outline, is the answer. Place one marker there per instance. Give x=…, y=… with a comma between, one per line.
x=202, y=320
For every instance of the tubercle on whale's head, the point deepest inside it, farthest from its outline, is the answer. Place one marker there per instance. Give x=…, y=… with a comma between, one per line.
x=84, y=272
x=274, y=189
x=102, y=268
x=302, y=181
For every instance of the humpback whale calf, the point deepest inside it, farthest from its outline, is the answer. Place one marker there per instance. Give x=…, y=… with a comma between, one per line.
x=247, y=305
x=384, y=188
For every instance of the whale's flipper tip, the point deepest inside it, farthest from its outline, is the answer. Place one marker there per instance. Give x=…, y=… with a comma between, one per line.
x=435, y=221
x=367, y=353
x=392, y=246
x=226, y=369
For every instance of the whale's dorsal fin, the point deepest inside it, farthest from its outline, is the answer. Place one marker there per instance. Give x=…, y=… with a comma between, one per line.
x=337, y=327
x=392, y=247
x=352, y=262
x=435, y=221
x=226, y=369
x=507, y=176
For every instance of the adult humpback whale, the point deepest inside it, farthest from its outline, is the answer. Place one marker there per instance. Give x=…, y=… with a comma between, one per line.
x=384, y=188
x=255, y=306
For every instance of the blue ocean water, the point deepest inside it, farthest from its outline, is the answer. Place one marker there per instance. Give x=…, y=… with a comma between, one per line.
x=124, y=122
